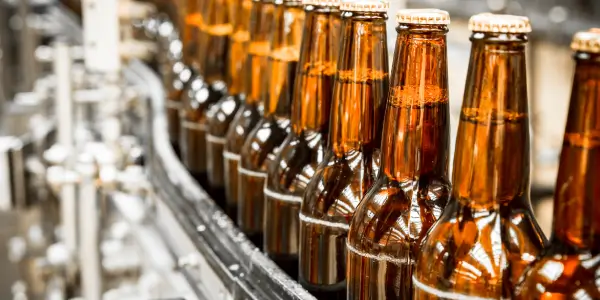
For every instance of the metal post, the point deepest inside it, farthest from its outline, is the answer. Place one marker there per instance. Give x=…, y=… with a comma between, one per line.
x=64, y=115
x=89, y=223
x=28, y=43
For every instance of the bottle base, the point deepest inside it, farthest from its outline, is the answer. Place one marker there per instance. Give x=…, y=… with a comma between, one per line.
x=288, y=263
x=232, y=212
x=325, y=292
x=255, y=238
x=201, y=178
x=218, y=195
x=176, y=149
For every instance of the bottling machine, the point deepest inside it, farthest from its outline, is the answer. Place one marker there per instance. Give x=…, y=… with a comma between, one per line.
x=94, y=202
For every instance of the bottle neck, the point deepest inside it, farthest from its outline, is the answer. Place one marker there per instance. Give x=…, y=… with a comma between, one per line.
x=491, y=164
x=361, y=86
x=239, y=12
x=216, y=28
x=283, y=60
x=261, y=26
x=316, y=71
x=417, y=121
x=576, y=207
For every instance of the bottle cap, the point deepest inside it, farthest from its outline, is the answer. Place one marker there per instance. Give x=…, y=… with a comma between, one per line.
x=587, y=41
x=423, y=16
x=326, y=3
x=488, y=22
x=365, y=5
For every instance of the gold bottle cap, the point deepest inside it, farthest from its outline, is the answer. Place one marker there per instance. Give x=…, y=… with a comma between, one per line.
x=488, y=22
x=365, y=5
x=326, y=3
x=423, y=16
x=587, y=41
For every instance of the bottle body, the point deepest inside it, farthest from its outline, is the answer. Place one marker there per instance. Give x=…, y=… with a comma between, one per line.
x=487, y=234
x=413, y=185
x=304, y=148
x=179, y=80
x=220, y=116
x=206, y=89
x=263, y=141
x=350, y=166
x=247, y=117
x=573, y=257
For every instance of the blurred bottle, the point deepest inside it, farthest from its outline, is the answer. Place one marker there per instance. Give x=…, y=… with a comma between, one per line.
x=181, y=72
x=487, y=234
x=350, y=165
x=413, y=186
x=220, y=115
x=261, y=145
x=261, y=25
x=206, y=89
x=570, y=267
x=304, y=148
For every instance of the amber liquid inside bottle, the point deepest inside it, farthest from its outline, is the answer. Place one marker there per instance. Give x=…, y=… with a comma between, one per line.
x=487, y=234
x=350, y=164
x=205, y=91
x=261, y=26
x=260, y=146
x=220, y=116
x=570, y=267
x=413, y=186
x=304, y=148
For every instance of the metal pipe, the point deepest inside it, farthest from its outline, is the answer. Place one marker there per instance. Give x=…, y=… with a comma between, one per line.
x=89, y=223
x=64, y=115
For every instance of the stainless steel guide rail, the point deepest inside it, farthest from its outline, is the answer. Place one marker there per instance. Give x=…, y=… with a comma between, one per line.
x=213, y=254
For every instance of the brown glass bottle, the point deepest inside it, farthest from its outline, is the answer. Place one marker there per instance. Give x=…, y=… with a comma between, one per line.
x=261, y=25
x=220, y=115
x=487, y=234
x=304, y=148
x=413, y=184
x=204, y=91
x=570, y=267
x=349, y=167
x=261, y=144
x=182, y=72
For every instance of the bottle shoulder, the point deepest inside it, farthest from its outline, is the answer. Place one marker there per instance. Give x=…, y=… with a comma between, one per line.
x=561, y=277
x=243, y=122
x=477, y=253
x=296, y=161
x=220, y=115
x=338, y=185
x=396, y=215
x=262, y=143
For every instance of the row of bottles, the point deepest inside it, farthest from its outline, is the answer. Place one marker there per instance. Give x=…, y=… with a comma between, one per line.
x=338, y=168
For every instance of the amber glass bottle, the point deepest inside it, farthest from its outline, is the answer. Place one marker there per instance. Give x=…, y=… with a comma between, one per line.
x=487, y=234
x=261, y=144
x=220, y=115
x=261, y=26
x=570, y=267
x=304, y=148
x=349, y=167
x=413, y=184
x=181, y=73
x=204, y=91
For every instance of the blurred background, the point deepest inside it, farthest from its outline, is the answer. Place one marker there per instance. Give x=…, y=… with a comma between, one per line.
x=27, y=28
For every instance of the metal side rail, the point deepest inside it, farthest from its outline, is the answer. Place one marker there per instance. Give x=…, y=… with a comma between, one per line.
x=217, y=259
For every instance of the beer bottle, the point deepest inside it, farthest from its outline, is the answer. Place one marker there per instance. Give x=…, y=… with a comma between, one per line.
x=349, y=167
x=262, y=142
x=570, y=266
x=261, y=25
x=304, y=147
x=413, y=185
x=220, y=115
x=487, y=233
x=181, y=73
x=204, y=91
